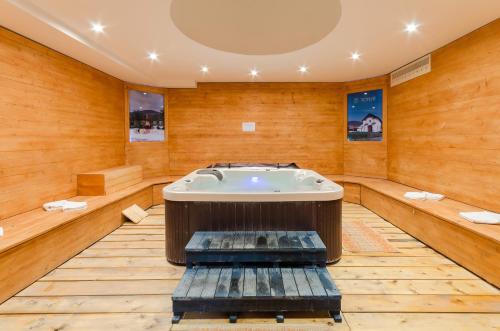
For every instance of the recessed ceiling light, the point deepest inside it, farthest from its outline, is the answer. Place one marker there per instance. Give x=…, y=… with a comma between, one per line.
x=254, y=73
x=303, y=69
x=153, y=56
x=355, y=56
x=412, y=27
x=204, y=69
x=97, y=27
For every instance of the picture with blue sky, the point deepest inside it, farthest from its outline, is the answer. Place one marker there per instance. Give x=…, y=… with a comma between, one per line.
x=364, y=116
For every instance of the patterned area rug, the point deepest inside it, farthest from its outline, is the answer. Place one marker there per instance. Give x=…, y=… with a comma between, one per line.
x=358, y=237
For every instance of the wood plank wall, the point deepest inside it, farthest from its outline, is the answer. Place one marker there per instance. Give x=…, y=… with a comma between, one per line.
x=299, y=122
x=366, y=158
x=58, y=117
x=444, y=127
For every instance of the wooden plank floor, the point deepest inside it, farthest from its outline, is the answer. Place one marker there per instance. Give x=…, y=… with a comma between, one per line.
x=123, y=282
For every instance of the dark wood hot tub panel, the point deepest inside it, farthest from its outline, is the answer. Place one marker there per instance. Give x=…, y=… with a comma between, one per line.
x=182, y=219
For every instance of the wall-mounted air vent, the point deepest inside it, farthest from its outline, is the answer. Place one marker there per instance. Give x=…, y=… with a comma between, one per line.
x=411, y=70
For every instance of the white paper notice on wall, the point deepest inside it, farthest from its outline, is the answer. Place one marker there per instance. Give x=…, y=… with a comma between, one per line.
x=248, y=126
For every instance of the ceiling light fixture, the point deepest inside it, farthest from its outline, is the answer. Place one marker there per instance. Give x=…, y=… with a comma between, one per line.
x=355, y=56
x=204, y=69
x=303, y=69
x=254, y=73
x=153, y=56
x=97, y=27
x=412, y=27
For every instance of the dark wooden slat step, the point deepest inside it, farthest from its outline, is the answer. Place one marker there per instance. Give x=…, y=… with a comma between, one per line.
x=255, y=289
x=293, y=247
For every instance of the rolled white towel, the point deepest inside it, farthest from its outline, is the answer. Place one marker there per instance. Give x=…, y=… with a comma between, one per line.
x=423, y=196
x=484, y=217
x=415, y=195
x=433, y=196
x=65, y=205
x=74, y=205
x=54, y=205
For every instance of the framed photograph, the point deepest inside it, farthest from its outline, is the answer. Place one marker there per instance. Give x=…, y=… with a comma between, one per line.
x=364, y=116
x=146, y=116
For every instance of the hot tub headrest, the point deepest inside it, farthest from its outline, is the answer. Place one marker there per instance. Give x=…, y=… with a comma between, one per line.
x=213, y=172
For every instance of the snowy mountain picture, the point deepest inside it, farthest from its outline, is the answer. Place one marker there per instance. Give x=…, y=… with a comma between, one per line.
x=146, y=116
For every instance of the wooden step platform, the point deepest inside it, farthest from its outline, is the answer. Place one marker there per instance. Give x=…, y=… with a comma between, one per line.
x=256, y=271
x=256, y=289
x=291, y=247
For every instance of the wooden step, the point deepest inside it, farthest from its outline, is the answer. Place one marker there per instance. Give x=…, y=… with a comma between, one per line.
x=107, y=181
x=256, y=289
x=292, y=247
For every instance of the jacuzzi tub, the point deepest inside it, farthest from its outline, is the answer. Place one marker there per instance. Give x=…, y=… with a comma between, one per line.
x=252, y=199
x=254, y=184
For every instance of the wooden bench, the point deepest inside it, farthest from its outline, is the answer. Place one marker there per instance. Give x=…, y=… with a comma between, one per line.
x=436, y=223
x=29, y=236
x=37, y=241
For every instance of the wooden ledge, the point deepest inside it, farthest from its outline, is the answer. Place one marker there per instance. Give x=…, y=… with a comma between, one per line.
x=436, y=223
x=23, y=227
x=36, y=242
x=446, y=209
x=26, y=226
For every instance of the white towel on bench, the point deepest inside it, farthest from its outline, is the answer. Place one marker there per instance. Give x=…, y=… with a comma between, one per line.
x=484, y=217
x=423, y=196
x=65, y=205
x=74, y=205
x=54, y=205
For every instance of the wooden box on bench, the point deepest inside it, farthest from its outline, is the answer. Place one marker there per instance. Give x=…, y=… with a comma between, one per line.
x=107, y=181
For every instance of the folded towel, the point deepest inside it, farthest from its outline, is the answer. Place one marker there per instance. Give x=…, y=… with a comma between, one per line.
x=74, y=205
x=1, y=231
x=415, y=195
x=65, y=205
x=423, y=196
x=54, y=205
x=433, y=196
x=485, y=217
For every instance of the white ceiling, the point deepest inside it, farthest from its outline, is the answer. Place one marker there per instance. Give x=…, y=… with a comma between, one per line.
x=133, y=28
